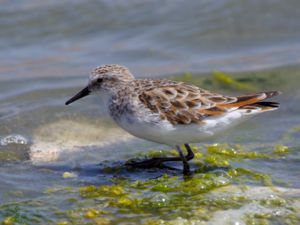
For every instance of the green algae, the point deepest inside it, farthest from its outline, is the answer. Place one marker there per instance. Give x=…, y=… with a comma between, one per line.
x=227, y=81
x=291, y=133
x=8, y=221
x=216, y=160
x=281, y=149
x=271, y=218
x=156, y=153
x=91, y=215
x=241, y=82
x=226, y=151
x=105, y=190
x=20, y=213
x=177, y=197
x=167, y=199
x=170, y=196
x=221, y=151
x=274, y=202
x=250, y=175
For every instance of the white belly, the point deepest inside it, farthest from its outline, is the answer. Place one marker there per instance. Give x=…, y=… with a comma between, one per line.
x=166, y=133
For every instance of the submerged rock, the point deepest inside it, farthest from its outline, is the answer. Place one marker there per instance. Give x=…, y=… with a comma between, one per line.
x=14, y=147
x=59, y=141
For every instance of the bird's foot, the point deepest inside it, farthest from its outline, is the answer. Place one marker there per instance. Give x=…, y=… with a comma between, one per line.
x=149, y=163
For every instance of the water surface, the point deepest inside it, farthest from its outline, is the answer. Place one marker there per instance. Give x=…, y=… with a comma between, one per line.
x=48, y=49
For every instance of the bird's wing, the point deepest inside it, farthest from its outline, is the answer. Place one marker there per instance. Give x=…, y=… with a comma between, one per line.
x=181, y=103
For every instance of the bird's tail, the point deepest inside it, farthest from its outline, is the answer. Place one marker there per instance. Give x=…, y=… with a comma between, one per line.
x=257, y=101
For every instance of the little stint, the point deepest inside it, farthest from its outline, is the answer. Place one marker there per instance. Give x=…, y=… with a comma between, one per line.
x=169, y=112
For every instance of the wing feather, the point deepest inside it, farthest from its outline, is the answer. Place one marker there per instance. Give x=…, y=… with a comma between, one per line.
x=182, y=103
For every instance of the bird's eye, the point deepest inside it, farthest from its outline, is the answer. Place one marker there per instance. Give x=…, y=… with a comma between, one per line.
x=99, y=80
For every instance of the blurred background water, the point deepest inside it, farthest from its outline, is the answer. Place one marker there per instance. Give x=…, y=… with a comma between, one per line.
x=48, y=49
x=63, y=38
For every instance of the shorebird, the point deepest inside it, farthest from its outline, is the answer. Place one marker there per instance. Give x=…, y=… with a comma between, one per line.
x=169, y=112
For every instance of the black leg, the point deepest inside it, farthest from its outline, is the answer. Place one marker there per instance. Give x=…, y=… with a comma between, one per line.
x=158, y=161
x=186, y=166
x=190, y=154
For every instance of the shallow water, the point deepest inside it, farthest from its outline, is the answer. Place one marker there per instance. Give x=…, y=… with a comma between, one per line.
x=48, y=151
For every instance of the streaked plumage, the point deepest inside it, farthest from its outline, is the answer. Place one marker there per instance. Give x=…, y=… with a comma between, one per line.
x=170, y=112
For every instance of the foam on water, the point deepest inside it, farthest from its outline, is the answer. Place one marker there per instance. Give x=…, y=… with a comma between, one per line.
x=13, y=139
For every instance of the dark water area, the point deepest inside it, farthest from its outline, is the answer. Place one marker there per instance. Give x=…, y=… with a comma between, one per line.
x=53, y=156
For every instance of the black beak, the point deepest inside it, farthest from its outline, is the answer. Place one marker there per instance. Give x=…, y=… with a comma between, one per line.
x=84, y=92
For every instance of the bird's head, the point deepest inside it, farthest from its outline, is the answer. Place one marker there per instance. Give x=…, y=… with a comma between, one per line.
x=105, y=78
